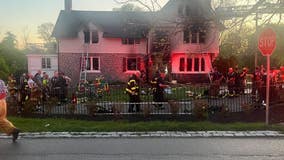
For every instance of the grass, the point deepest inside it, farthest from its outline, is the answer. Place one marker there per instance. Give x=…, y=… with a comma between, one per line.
x=67, y=125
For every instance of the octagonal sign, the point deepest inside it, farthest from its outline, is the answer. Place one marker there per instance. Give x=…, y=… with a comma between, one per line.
x=267, y=42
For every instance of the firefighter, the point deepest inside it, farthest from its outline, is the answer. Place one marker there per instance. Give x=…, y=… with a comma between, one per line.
x=257, y=82
x=24, y=88
x=216, y=78
x=243, y=75
x=45, y=86
x=5, y=125
x=158, y=89
x=133, y=91
x=238, y=82
x=231, y=77
x=12, y=85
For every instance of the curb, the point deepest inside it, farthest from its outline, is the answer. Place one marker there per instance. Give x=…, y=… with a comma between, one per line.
x=157, y=134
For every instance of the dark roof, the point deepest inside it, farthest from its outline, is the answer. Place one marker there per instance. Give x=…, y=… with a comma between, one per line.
x=198, y=9
x=113, y=24
x=127, y=24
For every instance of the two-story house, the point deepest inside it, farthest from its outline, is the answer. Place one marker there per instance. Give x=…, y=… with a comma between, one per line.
x=181, y=39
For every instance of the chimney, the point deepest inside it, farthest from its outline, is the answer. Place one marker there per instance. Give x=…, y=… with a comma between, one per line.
x=68, y=5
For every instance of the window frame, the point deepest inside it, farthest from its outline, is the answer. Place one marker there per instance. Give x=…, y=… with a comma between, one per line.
x=90, y=64
x=44, y=63
x=130, y=41
x=89, y=37
x=126, y=66
x=191, y=36
x=193, y=64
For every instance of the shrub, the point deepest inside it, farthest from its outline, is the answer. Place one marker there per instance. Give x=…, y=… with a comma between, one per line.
x=200, y=109
x=174, y=107
x=147, y=109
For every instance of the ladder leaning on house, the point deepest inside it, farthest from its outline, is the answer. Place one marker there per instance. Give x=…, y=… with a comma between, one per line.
x=84, y=64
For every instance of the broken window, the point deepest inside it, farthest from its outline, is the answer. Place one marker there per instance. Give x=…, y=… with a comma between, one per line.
x=86, y=36
x=95, y=37
x=132, y=64
x=194, y=35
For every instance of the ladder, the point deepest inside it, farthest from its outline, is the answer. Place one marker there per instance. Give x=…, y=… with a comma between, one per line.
x=84, y=64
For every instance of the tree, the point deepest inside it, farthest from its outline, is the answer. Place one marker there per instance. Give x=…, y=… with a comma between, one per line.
x=128, y=7
x=45, y=31
x=10, y=40
x=25, y=36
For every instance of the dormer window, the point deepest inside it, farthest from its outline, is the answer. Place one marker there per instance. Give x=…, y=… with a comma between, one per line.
x=194, y=35
x=91, y=37
x=95, y=37
x=130, y=41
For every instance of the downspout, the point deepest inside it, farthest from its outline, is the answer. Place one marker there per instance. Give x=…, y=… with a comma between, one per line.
x=57, y=41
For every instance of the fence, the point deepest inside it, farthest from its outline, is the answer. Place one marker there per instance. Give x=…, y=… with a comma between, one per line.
x=112, y=100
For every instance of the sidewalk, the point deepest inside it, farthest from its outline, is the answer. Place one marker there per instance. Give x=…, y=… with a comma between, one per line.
x=161, y=134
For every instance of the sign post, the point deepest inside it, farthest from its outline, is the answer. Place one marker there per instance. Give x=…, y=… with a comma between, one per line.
x=266, y=45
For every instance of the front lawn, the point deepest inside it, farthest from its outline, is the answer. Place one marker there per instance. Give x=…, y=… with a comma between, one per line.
x=67, y=125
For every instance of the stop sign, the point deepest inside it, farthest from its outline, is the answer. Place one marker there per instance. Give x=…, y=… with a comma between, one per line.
x=267, y=42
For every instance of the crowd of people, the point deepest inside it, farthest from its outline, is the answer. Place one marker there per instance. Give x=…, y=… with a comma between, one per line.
x=40, y=85
x=236, y=81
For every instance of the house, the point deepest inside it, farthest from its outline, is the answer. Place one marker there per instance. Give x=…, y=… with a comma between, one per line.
x=182, y=39
x=39, y=60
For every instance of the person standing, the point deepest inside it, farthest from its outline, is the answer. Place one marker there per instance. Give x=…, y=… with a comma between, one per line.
x=238, y=82
x=133, y=91
x=158, y=89
x=216, y=78
x=12, y=85
x=5, y=125
x=38, y=79
x=243, y=80
x=231, y=77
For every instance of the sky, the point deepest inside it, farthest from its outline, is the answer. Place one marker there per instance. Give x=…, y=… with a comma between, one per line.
x=24, y=16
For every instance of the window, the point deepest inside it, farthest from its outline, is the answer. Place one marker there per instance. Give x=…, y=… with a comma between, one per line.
x=137, y=41
x=202, y=37
x=95, y=37
x=86, y=37
x=194, y=36
x=93, y=64
x=130, y=41
x=202, y=64
x=196, y=64
x=131, y=64
x=91, y=37
x=181, y=64
x=45, y=63
x=189, y=64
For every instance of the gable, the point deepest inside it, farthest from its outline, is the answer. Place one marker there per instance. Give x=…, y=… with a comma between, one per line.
x=191, y=9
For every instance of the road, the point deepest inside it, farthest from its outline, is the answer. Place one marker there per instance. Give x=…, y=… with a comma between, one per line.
x=144, y=149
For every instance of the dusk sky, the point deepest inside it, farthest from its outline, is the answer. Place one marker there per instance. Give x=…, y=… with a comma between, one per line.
x=18, y=16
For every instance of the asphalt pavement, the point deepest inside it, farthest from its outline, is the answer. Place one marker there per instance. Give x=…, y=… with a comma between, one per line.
x=143, y=149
